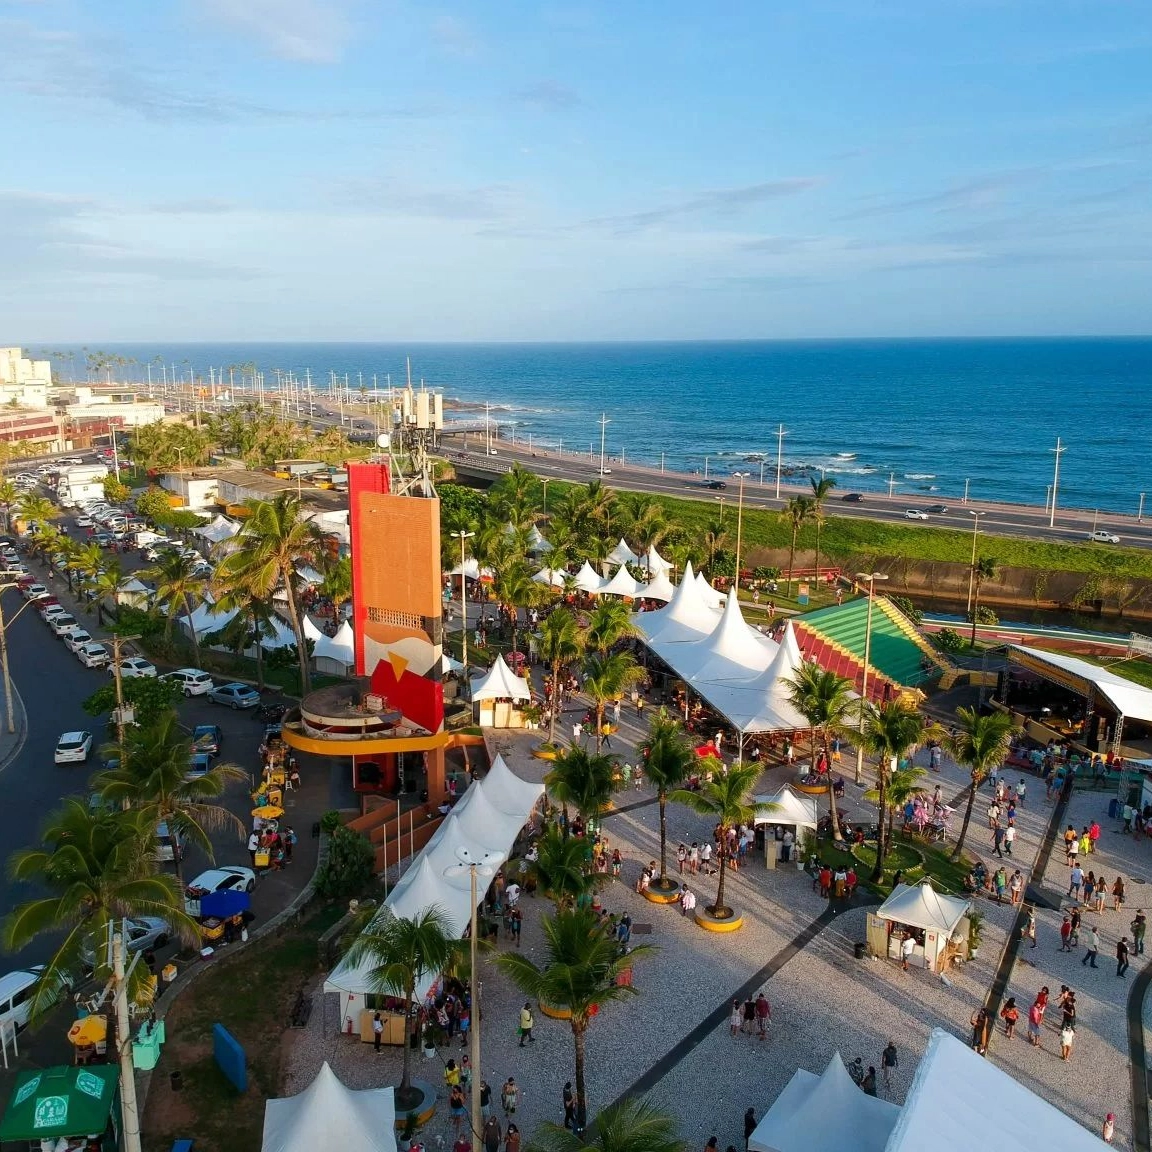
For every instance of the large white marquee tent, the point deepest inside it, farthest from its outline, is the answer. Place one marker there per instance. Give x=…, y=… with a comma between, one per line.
x=329, y=1114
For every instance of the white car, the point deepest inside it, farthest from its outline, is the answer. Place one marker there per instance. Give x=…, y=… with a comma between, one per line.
x=62, y=623
x=137, y=668
x=93, y=655
x=232, y=878
x=915, y=514
x=1102, y=537
x=78, y=636
x=34, y=592
x=73, y=748
x=84, y=522
x=192, y=681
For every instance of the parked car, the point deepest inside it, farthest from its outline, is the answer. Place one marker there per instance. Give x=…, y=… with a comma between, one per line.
x=192, y=681
x=198, y=765
x=16, y=991
x=208, y=738
x=77, y=637
x=34, y=592
x=915, y=514
x=231, y=878
x=136, y=667
x=62, y=623
x=1102, y=537
x=143, y=932
x=235, y=696
x=93, y=655
x=73, y=748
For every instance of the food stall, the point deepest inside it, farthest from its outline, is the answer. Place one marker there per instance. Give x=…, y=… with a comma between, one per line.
x=938, y=925
x=64, y=1109
x=785, y=810
x=222, y=916
x=89, y=1039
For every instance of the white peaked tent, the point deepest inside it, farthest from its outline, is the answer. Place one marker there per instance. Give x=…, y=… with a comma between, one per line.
x=623, y=583
x=733, y=650
x=711, y=596
x=587, y=580
x=786, y=807
x=206, y=619
x=500, y=683
x=959, y=1099
x=537, y=544
x=218, y=530
x=309, y=575
x=826, y=1113
x=654, y=562
x=921, y=906
x=311, y=632
x=448, y=665
x=622, y=554
x=554, y=577
x=686, y=618
x=658, y=588
x=327, y=1114
x=761, y=704
x=470, y=569
x=336, y=654
x=503, y=803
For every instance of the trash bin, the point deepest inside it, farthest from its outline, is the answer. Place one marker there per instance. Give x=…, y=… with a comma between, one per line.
x=176, y=1080
x=1113, y=808
x=858, y=949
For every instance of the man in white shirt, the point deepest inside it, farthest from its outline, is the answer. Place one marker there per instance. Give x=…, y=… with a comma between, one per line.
x=706, y=857
x=512, y=895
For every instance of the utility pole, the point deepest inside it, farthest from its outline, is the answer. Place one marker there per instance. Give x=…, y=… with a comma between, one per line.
x=603, y=422
x=119, y=681
x=1055, y=482
x=740, y=527
x=130, y=1111
x=780, y=434
x=10, y=721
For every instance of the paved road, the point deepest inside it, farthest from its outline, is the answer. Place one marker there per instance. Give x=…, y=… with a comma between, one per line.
x=996, y=519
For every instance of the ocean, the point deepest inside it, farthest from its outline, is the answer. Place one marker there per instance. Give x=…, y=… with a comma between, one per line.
x=926, y=414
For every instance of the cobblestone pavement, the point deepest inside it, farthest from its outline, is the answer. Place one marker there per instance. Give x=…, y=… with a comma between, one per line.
x=674, y=1035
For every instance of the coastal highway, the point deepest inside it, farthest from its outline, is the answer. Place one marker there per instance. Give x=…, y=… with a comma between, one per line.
x=1072, y=525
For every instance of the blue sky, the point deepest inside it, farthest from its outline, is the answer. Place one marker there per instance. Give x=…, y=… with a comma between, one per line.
x=382, y=170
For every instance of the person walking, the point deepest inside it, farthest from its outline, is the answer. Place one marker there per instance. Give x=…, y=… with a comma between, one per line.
x=749, y=1126
x=1016, y=887
x=492, y=1134
x=377, y=1032
x=1118, y=894
x=1101, y=893
x=681, y=858
x=889, y=1061
x=735, y=1018
x=1093, y=947
x=1035, y=1018
x=1139, y=927
x=1009, y=839
x=1066, y=935
x=906, y=947
x=979, y=1022
x=526, y=1024
x=998, y=840
x=1067, y=1035
x=1029, y=929
x=512, y=1139
x=485, y=1099
x=569, y=1104
x=1122, y=956
x=1075, y=880
x=1108, y=1129
x=1010, y=1014
x=763, y=1015
x=509, y=1098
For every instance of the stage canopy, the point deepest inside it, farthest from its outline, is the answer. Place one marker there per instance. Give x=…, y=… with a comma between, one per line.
x=921, y=906
x=1131, y=700
x=500, y=683
x=487, y=818
x=826, y=1113
x=327, y=1114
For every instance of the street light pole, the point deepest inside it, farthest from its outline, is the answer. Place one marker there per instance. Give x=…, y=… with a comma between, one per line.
x=1055, y=482
x=780, y=434
x=484, y=864
x=603, y=422
x=545, y=480
x=739, y=527
x=871, y=577
x=462, y=536
x=972, y=567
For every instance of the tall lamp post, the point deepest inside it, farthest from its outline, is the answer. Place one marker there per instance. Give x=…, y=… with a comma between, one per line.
x=603, y=422
x=545, y=480
x=463, y=536
x=474, y=864
x=780, y=434
x=739, y=526
x=871, y=577
x=972, y=567
x=1055, y=482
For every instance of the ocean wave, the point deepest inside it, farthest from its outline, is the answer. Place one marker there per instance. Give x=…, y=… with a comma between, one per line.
x=845, y=455
x=919, y=475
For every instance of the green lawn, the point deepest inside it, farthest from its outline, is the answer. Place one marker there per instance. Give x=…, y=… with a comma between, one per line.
x=916, y=857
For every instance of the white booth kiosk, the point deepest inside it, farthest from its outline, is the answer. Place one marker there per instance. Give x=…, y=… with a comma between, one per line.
x=786, y=810
x=938, y=924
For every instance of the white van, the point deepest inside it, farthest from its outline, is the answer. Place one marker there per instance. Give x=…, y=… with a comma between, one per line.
x=16, y=991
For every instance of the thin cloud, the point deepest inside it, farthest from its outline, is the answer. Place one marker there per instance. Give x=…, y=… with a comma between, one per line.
x=452, y=35
x=485, y=202
x=720, y=201
x=309, y=31
x=549, y=95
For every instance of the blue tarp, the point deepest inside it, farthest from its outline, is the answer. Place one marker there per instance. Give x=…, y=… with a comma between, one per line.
x=224, y=904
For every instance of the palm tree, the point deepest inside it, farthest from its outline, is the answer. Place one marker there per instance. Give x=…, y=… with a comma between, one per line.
x=983, y=569
x=608, y=623
x=91, y=869
x=9, y=496
x=273, y=543
x=714, y=541
x=607, y=678
x=561, y=868
x=152, y=776
x=825, y=700
x=889, y=732
x=39, y=508
x=561, y=645
x=668, y=758
x=820, y=490
x=629, y=1125
x=903, y=785
x=337, y=582
x=402, y=952
x=516, y=589
x=727, y=799
x=580, y=965
x=254, y=622
x=178, y=586
x=981, y=742
x=104, y=584
x=795, y=513
x=584, y=780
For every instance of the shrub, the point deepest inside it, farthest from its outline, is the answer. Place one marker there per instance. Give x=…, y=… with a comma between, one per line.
x=948, y=640
x=330, y=821
x=908, y=608
x=985, y=615
x=348, y=868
